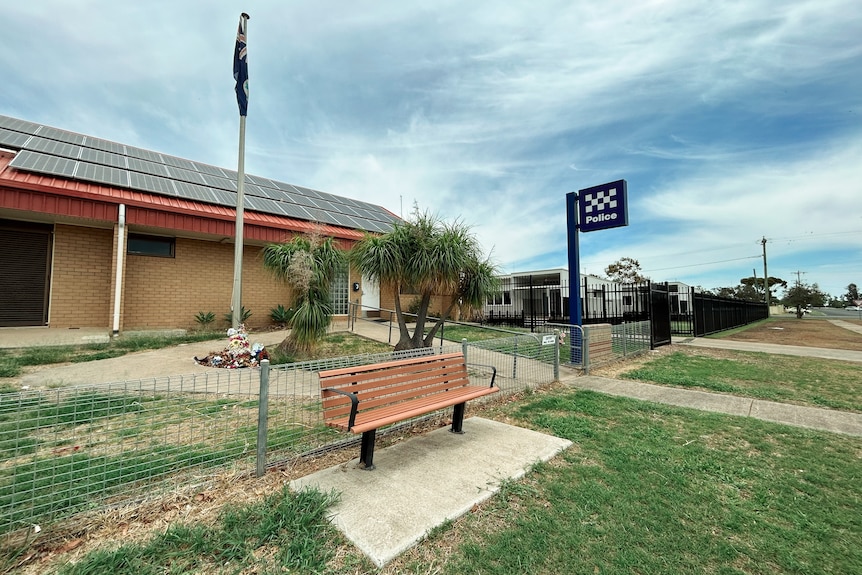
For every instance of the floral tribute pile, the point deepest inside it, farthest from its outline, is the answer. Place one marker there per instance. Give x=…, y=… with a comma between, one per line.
x=238, y=353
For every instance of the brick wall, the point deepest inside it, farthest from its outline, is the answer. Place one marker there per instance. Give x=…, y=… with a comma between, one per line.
x=159, y=292
x=169, y=292
x=81, y=277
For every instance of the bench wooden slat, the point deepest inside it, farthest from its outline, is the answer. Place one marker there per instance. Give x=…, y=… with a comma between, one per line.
x=367, y=382
x=381, y=394
x=393, y=414
x=399, y=390
x=374, y=405
x=421, y=359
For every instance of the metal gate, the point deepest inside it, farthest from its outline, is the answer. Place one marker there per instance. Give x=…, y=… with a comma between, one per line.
x=659, y=314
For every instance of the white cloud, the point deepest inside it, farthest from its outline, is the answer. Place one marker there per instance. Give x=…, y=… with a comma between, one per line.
x=730, y=121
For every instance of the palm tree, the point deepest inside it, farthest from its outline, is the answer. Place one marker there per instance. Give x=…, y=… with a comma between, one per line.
x=308, y=264
x=432, y=258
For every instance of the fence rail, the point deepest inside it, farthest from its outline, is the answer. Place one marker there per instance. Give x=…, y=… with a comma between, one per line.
x=70, y=449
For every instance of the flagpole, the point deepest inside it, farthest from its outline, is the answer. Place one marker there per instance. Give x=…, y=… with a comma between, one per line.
x=236, y=302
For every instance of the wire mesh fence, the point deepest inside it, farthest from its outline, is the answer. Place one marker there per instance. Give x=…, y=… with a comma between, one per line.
x=594, y=345
x=70, y=449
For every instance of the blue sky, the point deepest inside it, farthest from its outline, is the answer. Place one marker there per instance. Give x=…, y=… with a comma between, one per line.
x=730, y=121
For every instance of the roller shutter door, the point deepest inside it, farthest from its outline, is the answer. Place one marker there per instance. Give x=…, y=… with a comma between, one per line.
x=24, y=261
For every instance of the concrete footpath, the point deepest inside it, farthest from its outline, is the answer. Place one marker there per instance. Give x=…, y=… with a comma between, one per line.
x=419, y=484
x=797, y=415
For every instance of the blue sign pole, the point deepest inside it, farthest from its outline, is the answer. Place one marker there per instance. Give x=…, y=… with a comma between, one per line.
x=575, y=314
x=596, y=208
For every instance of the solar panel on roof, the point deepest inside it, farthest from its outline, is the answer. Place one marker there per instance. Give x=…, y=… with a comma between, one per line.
x=186, y=175
x=190, y=191
x=53, y=147
x=282, y=186
x=307, y=192
x=105, y=145
x=152, y=168
x=224, y=198
x=17, y=125
x=149, y=183
x=348, y=211
x=178, y=162
x=373, y=226
x=219, y=183
x=253, y=190
x=258, y=181
x=265, y=205
x=295, y=211
x=281, y=196
x=12, y=139
x=102, y=174
x=144, y=154
x=254, y=203
x=53, y=151
x=43, y=164
x=61, y=135
x=207, y=169
x=343, y=220
x=101, y=157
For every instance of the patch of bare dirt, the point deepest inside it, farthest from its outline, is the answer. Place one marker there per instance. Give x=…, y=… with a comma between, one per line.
x=807, y=332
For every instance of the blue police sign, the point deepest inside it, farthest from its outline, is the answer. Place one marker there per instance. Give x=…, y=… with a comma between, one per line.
x=602, y=207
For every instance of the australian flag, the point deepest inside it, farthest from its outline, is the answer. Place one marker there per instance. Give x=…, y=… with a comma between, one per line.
x=240, y=68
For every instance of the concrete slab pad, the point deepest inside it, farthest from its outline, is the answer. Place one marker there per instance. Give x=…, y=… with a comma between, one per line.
x=419, y=484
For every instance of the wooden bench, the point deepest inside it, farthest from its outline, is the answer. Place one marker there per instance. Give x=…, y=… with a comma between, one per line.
x=364, y=398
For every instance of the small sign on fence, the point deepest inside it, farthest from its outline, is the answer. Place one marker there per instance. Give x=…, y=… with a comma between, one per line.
x=549, y=339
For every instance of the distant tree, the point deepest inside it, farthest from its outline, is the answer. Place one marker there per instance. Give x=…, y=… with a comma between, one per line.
x=626, y=271
x=852, y=293
x=724, y=291
x=803, y=295
x=835, y=302
x=756, y=284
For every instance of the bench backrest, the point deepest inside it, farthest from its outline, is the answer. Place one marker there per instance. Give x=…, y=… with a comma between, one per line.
x=384, y=384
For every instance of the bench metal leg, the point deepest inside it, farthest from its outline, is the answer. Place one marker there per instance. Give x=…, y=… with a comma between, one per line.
x=458, y=418
x=366, y=453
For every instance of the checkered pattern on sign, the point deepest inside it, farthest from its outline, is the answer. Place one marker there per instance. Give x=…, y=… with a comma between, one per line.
x=598, y=201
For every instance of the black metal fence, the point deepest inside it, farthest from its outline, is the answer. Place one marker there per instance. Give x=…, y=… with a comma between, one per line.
x=713, y=313
x=673, y=308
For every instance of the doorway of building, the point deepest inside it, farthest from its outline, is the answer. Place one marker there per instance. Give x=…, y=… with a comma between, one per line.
x=370, y=300
x=26, y=261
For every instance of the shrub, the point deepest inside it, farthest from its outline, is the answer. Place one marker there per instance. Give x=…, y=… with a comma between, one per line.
x=204, y=319
x=244, y=314
x=281, y=315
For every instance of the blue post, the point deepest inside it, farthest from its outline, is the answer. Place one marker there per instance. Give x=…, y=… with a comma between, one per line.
x=575, y=314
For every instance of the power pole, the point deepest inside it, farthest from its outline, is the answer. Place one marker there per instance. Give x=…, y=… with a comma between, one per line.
x=765, y=275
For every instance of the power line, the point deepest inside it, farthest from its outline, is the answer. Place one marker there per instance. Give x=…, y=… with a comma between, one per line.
x=757, y=257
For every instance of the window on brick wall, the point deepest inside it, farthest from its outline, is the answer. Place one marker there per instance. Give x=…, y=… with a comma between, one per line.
x=157, y=246
x=340, y=291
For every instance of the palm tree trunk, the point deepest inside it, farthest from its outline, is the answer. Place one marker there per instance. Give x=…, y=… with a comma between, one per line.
x=429, y=339
x=404, y=341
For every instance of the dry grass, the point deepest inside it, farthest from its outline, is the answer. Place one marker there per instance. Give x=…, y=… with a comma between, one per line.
x=807, y=332
x=204, y=501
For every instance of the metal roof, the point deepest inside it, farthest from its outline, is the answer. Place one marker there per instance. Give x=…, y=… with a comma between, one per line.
x=124, y=171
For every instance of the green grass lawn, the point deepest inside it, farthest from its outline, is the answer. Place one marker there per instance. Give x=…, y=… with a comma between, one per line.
x=644, y=489
x=787, y=379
